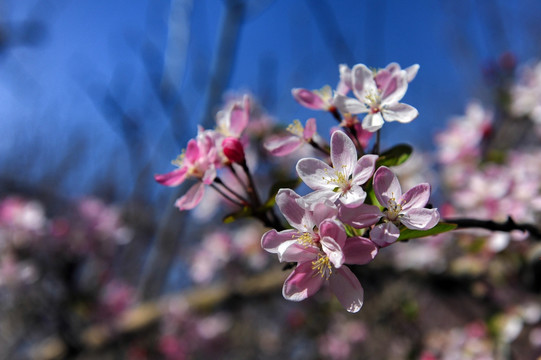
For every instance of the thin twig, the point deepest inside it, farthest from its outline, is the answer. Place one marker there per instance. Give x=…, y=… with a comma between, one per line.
x=507, y=226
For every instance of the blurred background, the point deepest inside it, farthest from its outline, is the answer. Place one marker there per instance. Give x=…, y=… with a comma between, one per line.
x=98, y=96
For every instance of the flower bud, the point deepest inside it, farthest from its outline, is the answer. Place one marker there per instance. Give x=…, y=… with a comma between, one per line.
x=233, y=150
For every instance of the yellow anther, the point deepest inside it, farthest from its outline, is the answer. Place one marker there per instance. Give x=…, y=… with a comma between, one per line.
x=305, y=239
x=322, y=265
x=296, y=128
x=180, y=159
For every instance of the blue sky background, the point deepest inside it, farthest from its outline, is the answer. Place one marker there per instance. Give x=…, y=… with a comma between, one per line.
x=79, y=109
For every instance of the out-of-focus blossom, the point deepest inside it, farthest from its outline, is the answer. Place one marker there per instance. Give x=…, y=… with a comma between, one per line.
x=378, y=95
x=320, y=246
x=342, y=181
x=299, y=135
x=14, y=273
x=234, y=118
x=472, y=342
x=340, y=339
x=526, y=94
x=199, y=161
x=408, y=209
x=461, y=140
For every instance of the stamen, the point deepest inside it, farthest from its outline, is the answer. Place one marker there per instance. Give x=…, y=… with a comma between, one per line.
x=323, y=266
x=180, y=159
x=296, y=128
x=305, y=239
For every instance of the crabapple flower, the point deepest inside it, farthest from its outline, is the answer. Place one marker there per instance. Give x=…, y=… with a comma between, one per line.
x=232, y=120
x=342, y=181
x=407, y=209
x=299, y=135
x=319, y=245
x=378, y=95
x=198, y=161
x=323, y=99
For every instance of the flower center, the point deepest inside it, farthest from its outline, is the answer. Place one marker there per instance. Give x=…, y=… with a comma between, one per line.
x=373, y=101
x=340, y=179
x=393, y=209
x=322, y=265
x=305, y=239
x=296, y=128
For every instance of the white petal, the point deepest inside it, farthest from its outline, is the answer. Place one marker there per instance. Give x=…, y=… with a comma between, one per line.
x=373, y=122
x=403, y=113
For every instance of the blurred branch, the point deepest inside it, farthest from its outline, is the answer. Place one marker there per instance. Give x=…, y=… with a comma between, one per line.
x=167, y=240
x=143, y=316
x=507, y=226
x=330, y=31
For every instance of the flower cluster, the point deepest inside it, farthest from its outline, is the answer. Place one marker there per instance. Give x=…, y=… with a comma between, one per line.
x=334, y=226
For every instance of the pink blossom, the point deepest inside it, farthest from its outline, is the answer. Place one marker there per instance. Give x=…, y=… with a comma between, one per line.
x=299, y=135
x=407, y=209
x=342, y=181
x=462, y=139
x=378, y=95
x=232, y=120
x=319, y=244
x=198, y=161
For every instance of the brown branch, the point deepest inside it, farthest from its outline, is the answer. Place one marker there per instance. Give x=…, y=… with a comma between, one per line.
x=508, y=226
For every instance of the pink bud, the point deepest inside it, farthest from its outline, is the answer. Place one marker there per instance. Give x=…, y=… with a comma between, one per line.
x=233, y=150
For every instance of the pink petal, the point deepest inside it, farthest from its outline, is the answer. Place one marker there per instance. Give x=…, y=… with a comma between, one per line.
x=287, y=201
x=333, y=250
x=192, y=152
x=395, y=88
x=173, y=178
x=386, y=186
x=403, y=113
x=324, y=210
x=272, y=239
x=384, y=234
x=382, y=77
x=343, y=153
x=345, y=80
x=239, y=118
x=420, y=219
x=364, y=169
x=360, y=217
x=283, y=145
x=192, y=197
x=362, y=81
x=309, y=129
x=309, y=99
x=209, y=175
x=416, y=197
x=293, y=251
x=359, y=250
x=318, y=196
x=333, y=229
x=373, y=122
x=313, y=173
x=302, y=283
x=347, y=288
x=348, y=105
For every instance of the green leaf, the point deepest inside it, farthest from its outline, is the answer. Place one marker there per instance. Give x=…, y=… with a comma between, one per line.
x=289, y=184
x=442, y=227
x=242, y=213
x=395, y=155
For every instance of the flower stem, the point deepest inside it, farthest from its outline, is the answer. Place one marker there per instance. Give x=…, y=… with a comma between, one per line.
x=243, y=200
